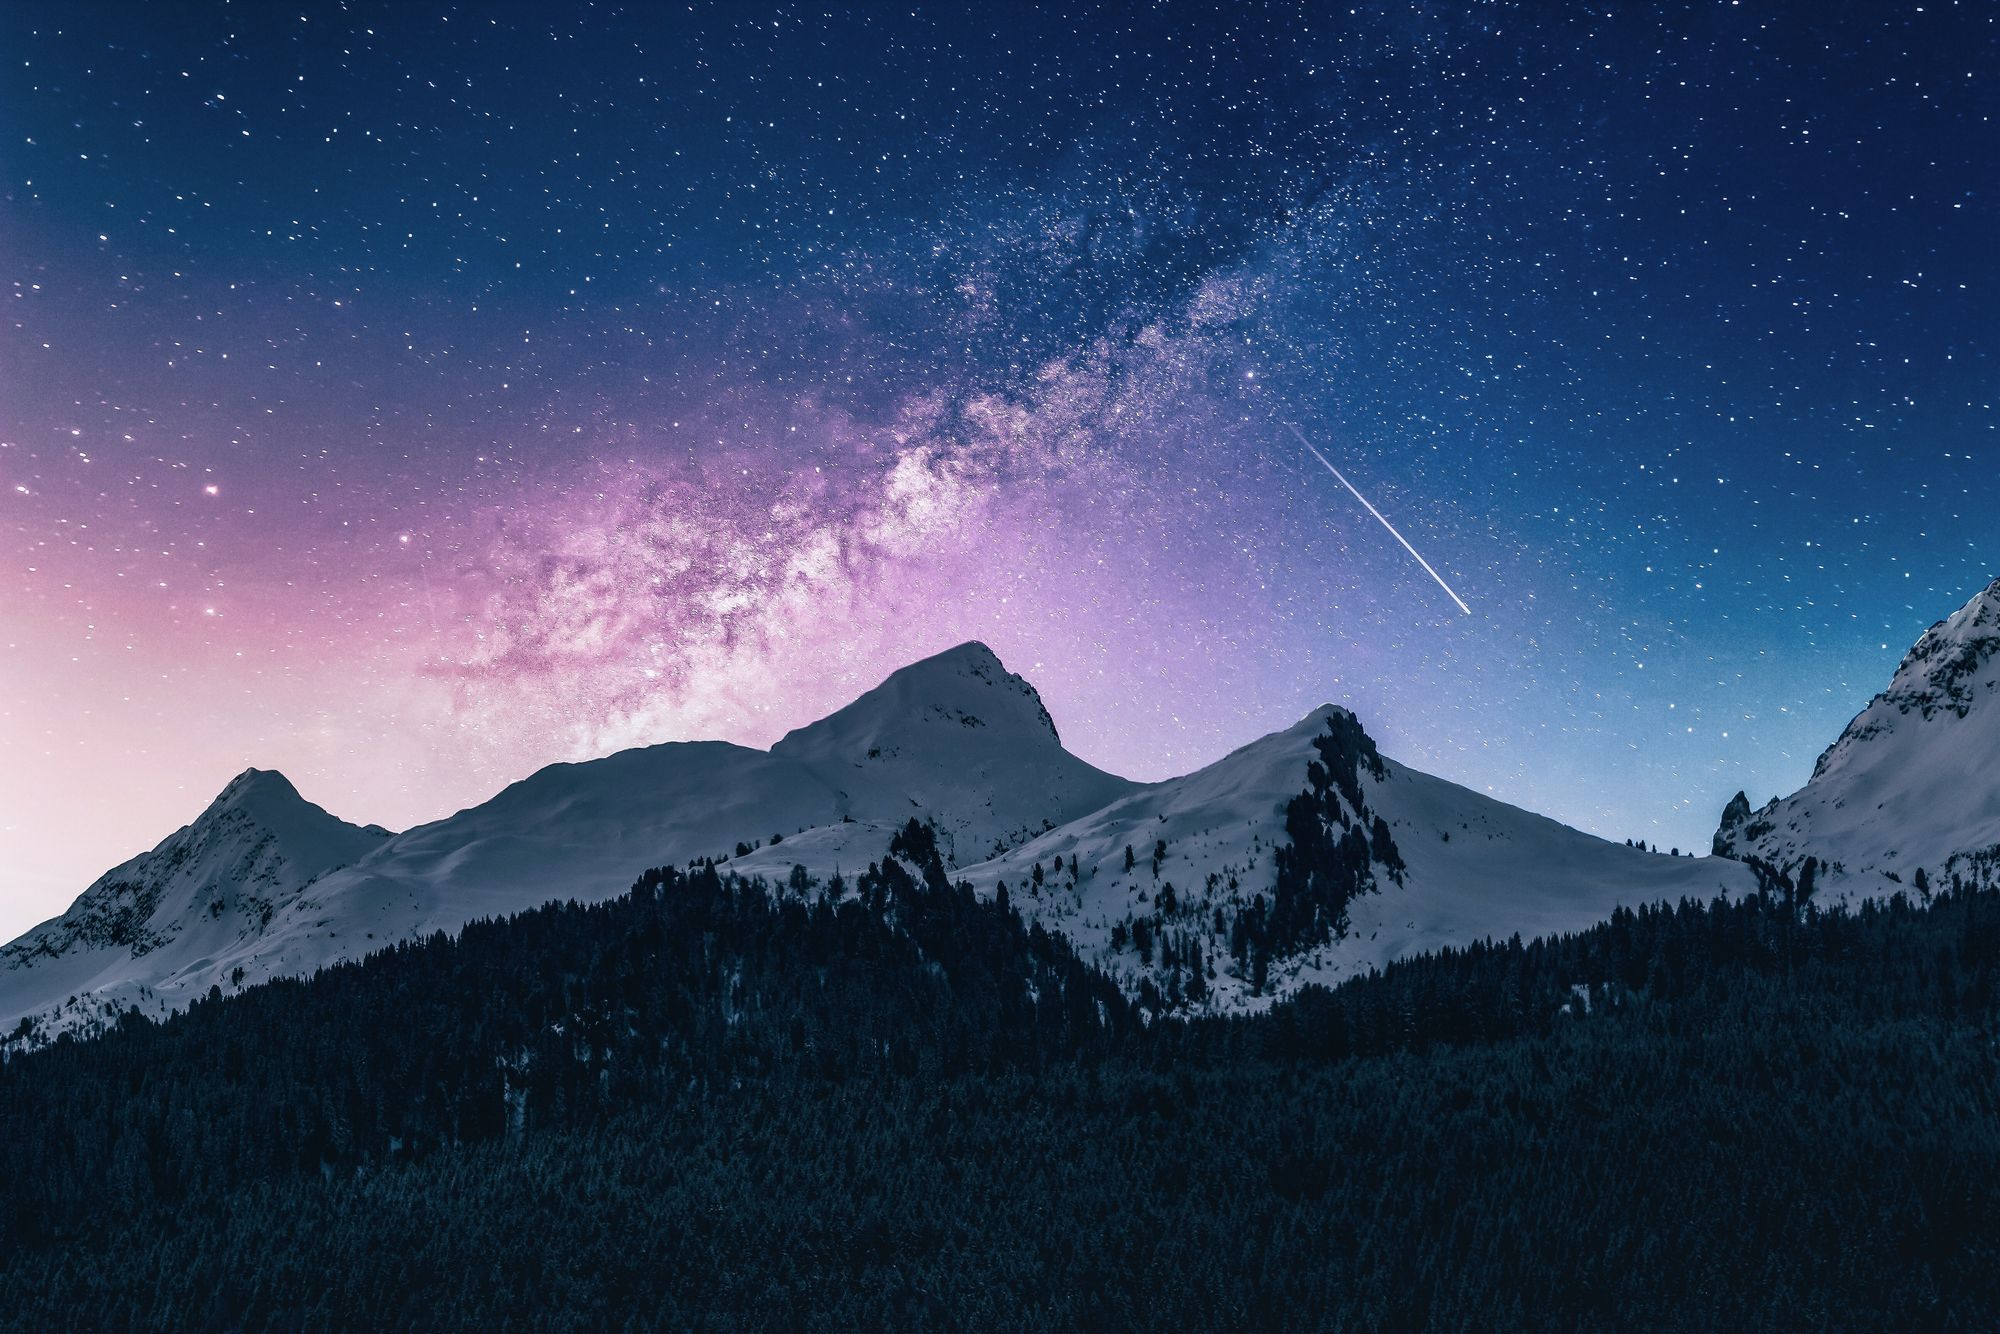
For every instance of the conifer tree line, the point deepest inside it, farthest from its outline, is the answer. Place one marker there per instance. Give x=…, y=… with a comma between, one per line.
x=890, y=1103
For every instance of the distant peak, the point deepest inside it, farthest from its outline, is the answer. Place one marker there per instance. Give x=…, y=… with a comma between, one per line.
x=967, y=685
x=266, y=797
x=1983, y=611
x=1978, y=618
x=939, y=674
x=252, y=783
x=1318, y=720
x=972, y=654
x=1949, y=664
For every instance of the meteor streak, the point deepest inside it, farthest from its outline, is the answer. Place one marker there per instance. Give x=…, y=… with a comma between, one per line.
x=1378, y=516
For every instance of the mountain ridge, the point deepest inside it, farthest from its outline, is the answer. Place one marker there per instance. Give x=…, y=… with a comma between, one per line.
x=1471, y=866
x=580, y=829
x=1301, y=857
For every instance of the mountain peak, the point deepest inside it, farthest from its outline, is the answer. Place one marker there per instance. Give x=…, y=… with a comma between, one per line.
x=973, y=653
x=1950, y=667
x=1954, y=661
x=1978, y=620
x=966, y=685
x=256, y=785
x=969, y=665
x=956, y=737
x=208, y=887
x=1906, y=786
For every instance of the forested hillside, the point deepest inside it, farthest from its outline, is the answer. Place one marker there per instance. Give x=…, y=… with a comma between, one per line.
x=713, y=1103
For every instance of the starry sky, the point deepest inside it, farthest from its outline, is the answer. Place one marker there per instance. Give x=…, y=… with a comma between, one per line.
x=405, y=396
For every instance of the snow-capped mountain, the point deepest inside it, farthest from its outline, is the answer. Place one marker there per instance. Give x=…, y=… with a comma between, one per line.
x=208, y=887
x=1912, y=784
x=1463, y=867
x=955, y=740
x=960, y=737
x=1470, y=866
x=1304, y=856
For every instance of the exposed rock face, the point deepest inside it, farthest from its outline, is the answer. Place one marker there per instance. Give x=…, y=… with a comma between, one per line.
x=1734, y=816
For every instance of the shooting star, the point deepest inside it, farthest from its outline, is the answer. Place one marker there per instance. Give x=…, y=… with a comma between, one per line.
x=1327, y=463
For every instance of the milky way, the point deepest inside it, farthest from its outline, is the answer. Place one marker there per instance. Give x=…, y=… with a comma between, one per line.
x=406, y=397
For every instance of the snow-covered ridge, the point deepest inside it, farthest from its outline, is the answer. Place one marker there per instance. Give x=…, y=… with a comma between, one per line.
x=1472, y=868
x=265, y=884
x=1911, y=785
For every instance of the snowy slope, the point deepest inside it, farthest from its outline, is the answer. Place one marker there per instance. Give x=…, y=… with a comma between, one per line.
x=1914, y=780
x=954, y=739
x=1474, y=867
x=1505, y=871
x=571, y=831
x=843, y=850
x=169, y=913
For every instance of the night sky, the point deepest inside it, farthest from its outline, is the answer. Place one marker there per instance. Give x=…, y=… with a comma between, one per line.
x=407, y=396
